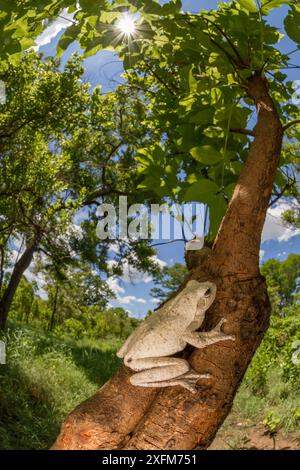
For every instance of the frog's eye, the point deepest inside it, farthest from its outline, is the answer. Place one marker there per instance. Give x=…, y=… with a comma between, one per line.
x=207, y=293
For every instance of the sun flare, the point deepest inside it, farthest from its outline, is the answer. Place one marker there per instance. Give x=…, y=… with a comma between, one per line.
x=127, y=24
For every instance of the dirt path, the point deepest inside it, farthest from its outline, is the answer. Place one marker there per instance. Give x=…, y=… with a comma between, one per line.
x=245, y=436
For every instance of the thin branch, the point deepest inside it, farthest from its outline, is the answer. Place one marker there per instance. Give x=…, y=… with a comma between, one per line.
x=292, y=52
x=3, y=229
x=290, y=67
x=229, y=57
x=14, y=130
x=102, y=192
x=167, y=243
x=42, y=250
x=231, y=44
x=284, y=189
x=67, y=19
x=243, y=131
x=233, y=47
x=290, y=124
x=160, y=80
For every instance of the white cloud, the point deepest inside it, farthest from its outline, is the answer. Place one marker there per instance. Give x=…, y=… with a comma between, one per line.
x=274, y=228
x=126, y=300
x=114, y=247
x=114, y=285
x=261, y=254
x=155, y=301
x=159, y=261
x=133, y=275
x=53, y=29
x=13, y=257
x=130, y=299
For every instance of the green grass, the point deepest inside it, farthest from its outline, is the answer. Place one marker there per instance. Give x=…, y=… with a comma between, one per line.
x=46, y=377
x=251, y=409
x=43, y=380
x=282, y=398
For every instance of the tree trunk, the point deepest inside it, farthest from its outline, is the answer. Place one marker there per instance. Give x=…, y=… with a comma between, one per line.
x=18, y=271
x=29, y=308
x=54, y=309
x=121, y=416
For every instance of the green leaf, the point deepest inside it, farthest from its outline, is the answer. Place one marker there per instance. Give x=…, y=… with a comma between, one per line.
x=171, y=7
x=206, y=154
x=187, y=102
x=149, y=182
x=217, y=209
x=250, y=5
x=203, y=190
x=70, y=36
x=192, y=81
x=92, y=7
x=205, y=116
x=26, y=43
x=268, y=5
x=229, y=189
x=292, y=25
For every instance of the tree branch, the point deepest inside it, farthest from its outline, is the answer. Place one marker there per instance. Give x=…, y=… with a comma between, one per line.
x=288, y=185
x=102, y=192
x=233, y=47
x=290, y=124
x=243, y=131
x=160, y=80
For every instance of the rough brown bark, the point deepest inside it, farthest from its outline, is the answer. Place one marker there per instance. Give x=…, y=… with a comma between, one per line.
x=18, y=271
x=126, y=417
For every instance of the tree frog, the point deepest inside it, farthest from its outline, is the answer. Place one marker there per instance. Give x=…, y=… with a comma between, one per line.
x=148, y=349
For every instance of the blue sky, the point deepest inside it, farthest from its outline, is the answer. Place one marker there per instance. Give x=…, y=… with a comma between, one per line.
x=105, y=69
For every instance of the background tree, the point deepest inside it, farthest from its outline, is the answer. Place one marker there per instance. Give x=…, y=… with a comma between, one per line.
x=203, y=77
x=283, y=279
x=54, y=164
x=35, y=202
x=168, y=281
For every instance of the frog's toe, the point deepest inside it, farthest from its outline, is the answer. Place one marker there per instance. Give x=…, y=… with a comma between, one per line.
x=189, y=380
x=188, y=386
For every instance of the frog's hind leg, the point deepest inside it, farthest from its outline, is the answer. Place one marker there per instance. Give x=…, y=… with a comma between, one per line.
x=188, y=380
x=164, y=372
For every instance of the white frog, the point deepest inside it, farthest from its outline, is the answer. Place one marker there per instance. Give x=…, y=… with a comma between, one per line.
x=167, y=332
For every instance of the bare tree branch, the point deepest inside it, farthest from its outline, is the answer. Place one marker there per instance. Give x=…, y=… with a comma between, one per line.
x=243, y=131
x=290, y=124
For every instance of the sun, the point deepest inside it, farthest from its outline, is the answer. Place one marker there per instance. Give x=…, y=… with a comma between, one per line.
x=126, y=25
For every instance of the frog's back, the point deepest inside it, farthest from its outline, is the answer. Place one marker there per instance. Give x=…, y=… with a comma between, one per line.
x=162, y=338
x=157, y=334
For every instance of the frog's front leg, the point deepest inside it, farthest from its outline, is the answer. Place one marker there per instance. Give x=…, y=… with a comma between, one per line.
x=164, y=372
x=205, y=338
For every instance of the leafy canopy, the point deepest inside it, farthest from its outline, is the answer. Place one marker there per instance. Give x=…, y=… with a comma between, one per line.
x=54, y=164
x=192, y=70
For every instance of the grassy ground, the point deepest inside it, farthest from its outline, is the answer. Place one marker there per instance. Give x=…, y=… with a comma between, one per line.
x=254, y=417
x=45, y=378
